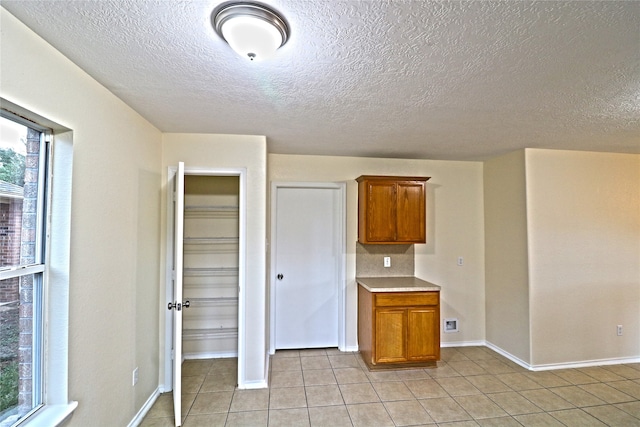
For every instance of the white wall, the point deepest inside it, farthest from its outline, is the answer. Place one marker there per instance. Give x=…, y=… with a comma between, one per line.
x=506, y=256
x=455, y=228
x=115, y=225
x=584, y=255
x=234, y=152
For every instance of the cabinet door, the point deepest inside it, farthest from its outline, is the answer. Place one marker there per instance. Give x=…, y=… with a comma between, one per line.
x=381, y=211
x=423, y=334
x=410, y=212
x=391, y=335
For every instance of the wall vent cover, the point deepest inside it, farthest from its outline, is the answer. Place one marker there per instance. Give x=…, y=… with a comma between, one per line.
x=450, y=325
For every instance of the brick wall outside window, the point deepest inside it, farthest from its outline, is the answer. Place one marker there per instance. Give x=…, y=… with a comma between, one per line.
x=27, y=255
x=10, y=241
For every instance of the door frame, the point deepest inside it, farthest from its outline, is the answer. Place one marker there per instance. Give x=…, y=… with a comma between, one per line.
x=341, y=187
x=241, y=173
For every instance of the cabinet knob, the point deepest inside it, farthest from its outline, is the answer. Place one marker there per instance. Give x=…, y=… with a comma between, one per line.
x=280, y=276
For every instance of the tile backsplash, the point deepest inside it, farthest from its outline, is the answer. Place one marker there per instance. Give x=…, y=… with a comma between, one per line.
x=369, y=260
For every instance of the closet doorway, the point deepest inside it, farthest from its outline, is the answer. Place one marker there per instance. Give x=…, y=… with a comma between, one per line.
x=205, y=268
x=210, y=269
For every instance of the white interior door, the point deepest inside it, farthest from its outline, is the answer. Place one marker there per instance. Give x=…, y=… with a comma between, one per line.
x=309, y=250
x=176, y=305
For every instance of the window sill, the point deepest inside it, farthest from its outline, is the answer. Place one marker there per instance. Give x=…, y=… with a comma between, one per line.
x=50, y=415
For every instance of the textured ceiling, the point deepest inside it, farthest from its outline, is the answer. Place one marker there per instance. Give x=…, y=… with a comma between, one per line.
x=456, y=80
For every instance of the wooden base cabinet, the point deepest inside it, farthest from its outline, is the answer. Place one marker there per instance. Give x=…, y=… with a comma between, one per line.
x=398, y=328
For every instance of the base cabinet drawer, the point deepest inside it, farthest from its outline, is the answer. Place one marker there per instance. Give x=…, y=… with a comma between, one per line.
x=406, y=299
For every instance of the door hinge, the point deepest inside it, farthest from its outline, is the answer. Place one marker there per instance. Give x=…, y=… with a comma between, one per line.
x=173, y=275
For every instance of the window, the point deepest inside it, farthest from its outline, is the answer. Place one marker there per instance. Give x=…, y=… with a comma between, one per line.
x=34, y=268
x=23, y=183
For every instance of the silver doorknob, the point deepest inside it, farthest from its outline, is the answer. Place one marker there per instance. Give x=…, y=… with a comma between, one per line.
x=178, y=306
x=280, y=276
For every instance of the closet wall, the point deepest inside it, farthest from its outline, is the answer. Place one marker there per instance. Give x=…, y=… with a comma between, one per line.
x=210, y=324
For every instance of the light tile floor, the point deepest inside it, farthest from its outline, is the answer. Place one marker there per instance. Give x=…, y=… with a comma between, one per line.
x=472, y=386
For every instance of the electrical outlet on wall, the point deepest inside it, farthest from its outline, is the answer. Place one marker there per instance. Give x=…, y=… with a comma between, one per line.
x=387, y=261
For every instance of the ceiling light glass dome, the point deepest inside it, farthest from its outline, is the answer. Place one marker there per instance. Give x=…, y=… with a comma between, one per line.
x=253, y=30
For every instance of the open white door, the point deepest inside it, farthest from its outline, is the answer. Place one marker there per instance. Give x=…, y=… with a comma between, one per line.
x=176, y=304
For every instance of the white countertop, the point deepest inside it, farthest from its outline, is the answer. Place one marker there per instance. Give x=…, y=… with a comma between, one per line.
x=396, y=284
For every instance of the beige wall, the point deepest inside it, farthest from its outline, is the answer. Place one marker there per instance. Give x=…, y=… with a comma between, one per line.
x=582, y=219
x=562, y=238
x=506, y=257
x=584, y=255
x=455, y=218
x=115, y=226
x=202, y=151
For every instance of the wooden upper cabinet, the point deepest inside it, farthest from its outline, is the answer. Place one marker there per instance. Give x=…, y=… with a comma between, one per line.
x=391, y=209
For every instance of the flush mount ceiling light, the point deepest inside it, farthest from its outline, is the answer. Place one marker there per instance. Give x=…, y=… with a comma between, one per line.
x=253, y=30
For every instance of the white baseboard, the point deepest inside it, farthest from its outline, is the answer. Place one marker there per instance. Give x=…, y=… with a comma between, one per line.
x=212, y=355
x=563, y=365
x=137, y=420
x=585, y=363
x=251, y=385
x=508, y=355
x=267, y=367
x=462, y=344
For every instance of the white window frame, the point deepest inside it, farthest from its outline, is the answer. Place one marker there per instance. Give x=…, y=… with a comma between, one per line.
x=56, y=406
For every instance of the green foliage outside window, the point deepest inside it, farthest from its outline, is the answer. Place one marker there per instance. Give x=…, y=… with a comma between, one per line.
x=9, y=337
x=8, y=384
x=12, y=166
